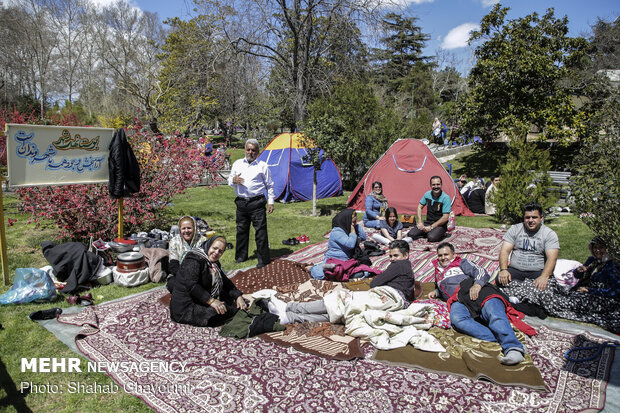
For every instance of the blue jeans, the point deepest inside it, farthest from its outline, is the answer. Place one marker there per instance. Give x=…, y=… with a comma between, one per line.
x=375, y=223
x=317, y=272
x=498, y=327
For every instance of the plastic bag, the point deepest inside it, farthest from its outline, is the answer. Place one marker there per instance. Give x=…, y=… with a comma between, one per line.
x=451, y=221
x=30, y=284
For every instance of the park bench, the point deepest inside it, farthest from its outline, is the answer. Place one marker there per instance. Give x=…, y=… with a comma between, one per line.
x=560, y=183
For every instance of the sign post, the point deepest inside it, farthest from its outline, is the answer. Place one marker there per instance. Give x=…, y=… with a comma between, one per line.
x=54, y=155
x=5, y=263
x=121, y=219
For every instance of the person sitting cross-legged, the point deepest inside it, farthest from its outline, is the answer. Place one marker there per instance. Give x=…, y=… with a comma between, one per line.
x=529, y=250
x=477, y=308
x=376, y=203
x=391, y=228
x=438, y=205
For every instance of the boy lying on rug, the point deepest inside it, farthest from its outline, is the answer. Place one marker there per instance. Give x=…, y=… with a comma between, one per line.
x=383, y=314
x=477, y=308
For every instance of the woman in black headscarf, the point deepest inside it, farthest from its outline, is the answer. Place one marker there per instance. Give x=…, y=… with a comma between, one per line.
x=203, y=295
x=344, y=239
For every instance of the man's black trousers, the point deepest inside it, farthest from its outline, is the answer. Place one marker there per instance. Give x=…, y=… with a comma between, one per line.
x=252, y=210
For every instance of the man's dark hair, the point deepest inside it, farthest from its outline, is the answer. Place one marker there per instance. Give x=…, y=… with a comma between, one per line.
x=533, y=206
x=435, y=177
x=402, y=246
x=444, y=245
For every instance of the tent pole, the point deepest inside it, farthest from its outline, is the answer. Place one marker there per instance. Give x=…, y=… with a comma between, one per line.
x=5, y=262
x=120, y=218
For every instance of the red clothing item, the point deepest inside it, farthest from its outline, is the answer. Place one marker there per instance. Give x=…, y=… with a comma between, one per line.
x=345, y=269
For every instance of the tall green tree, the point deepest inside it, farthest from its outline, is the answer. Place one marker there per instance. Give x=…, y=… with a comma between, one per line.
x=519, y=79
x=405, y=74
x=596, y=187
x=187, y=77
x=401, y=53
x=524, y=179
x=606, y=43
x=592, y=82
x=596, y=178
x=352, y=127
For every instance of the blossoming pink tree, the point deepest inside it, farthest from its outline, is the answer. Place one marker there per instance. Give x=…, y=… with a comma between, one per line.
x=168, y=166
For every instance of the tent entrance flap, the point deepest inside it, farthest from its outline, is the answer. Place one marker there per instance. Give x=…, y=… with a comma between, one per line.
x=274, y=157
x=408, y=170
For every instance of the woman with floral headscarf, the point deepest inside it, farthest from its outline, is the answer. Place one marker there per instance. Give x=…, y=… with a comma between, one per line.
x=187, y=239
x=203, y=296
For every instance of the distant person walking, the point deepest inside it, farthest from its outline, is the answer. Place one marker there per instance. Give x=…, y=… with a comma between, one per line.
x=440, y=130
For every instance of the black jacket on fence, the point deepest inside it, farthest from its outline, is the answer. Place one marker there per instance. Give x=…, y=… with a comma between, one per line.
x=123, y=166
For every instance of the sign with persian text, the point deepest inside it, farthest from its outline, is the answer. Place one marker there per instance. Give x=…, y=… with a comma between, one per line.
x=57, y=155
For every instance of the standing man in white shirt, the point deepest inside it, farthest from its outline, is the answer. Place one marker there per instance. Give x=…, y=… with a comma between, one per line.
x=251, y=178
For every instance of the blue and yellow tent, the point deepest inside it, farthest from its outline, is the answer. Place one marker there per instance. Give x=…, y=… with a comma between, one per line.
x=292, y=175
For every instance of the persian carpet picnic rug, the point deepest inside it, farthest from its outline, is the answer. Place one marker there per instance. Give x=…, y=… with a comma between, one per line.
x=224, y=374
x=485, y=242
x=421, y=261
x=322, y=339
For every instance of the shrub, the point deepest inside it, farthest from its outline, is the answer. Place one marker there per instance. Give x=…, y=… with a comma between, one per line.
x=168, y=165
x=596, y=187
x=524, y=179
x=11, y=116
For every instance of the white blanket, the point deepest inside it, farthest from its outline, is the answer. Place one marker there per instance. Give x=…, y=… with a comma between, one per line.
x=378, y=315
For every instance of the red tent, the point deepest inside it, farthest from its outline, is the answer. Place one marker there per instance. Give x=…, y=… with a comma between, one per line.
x=405, y=171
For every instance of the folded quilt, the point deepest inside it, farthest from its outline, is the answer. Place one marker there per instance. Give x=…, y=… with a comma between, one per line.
x=378, y=315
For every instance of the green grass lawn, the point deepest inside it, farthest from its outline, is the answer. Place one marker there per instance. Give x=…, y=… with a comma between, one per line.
x=24, y=338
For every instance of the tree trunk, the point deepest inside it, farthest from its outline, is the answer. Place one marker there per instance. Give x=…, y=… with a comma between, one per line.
x=153, y=126
x=314, y=193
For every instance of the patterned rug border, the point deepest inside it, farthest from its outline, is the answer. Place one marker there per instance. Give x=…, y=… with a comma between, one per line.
x=90, y=352
x=597, y=385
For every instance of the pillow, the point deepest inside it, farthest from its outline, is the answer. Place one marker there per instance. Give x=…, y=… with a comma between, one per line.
x=563, y=266
x=442, y=316
x=563, y=273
